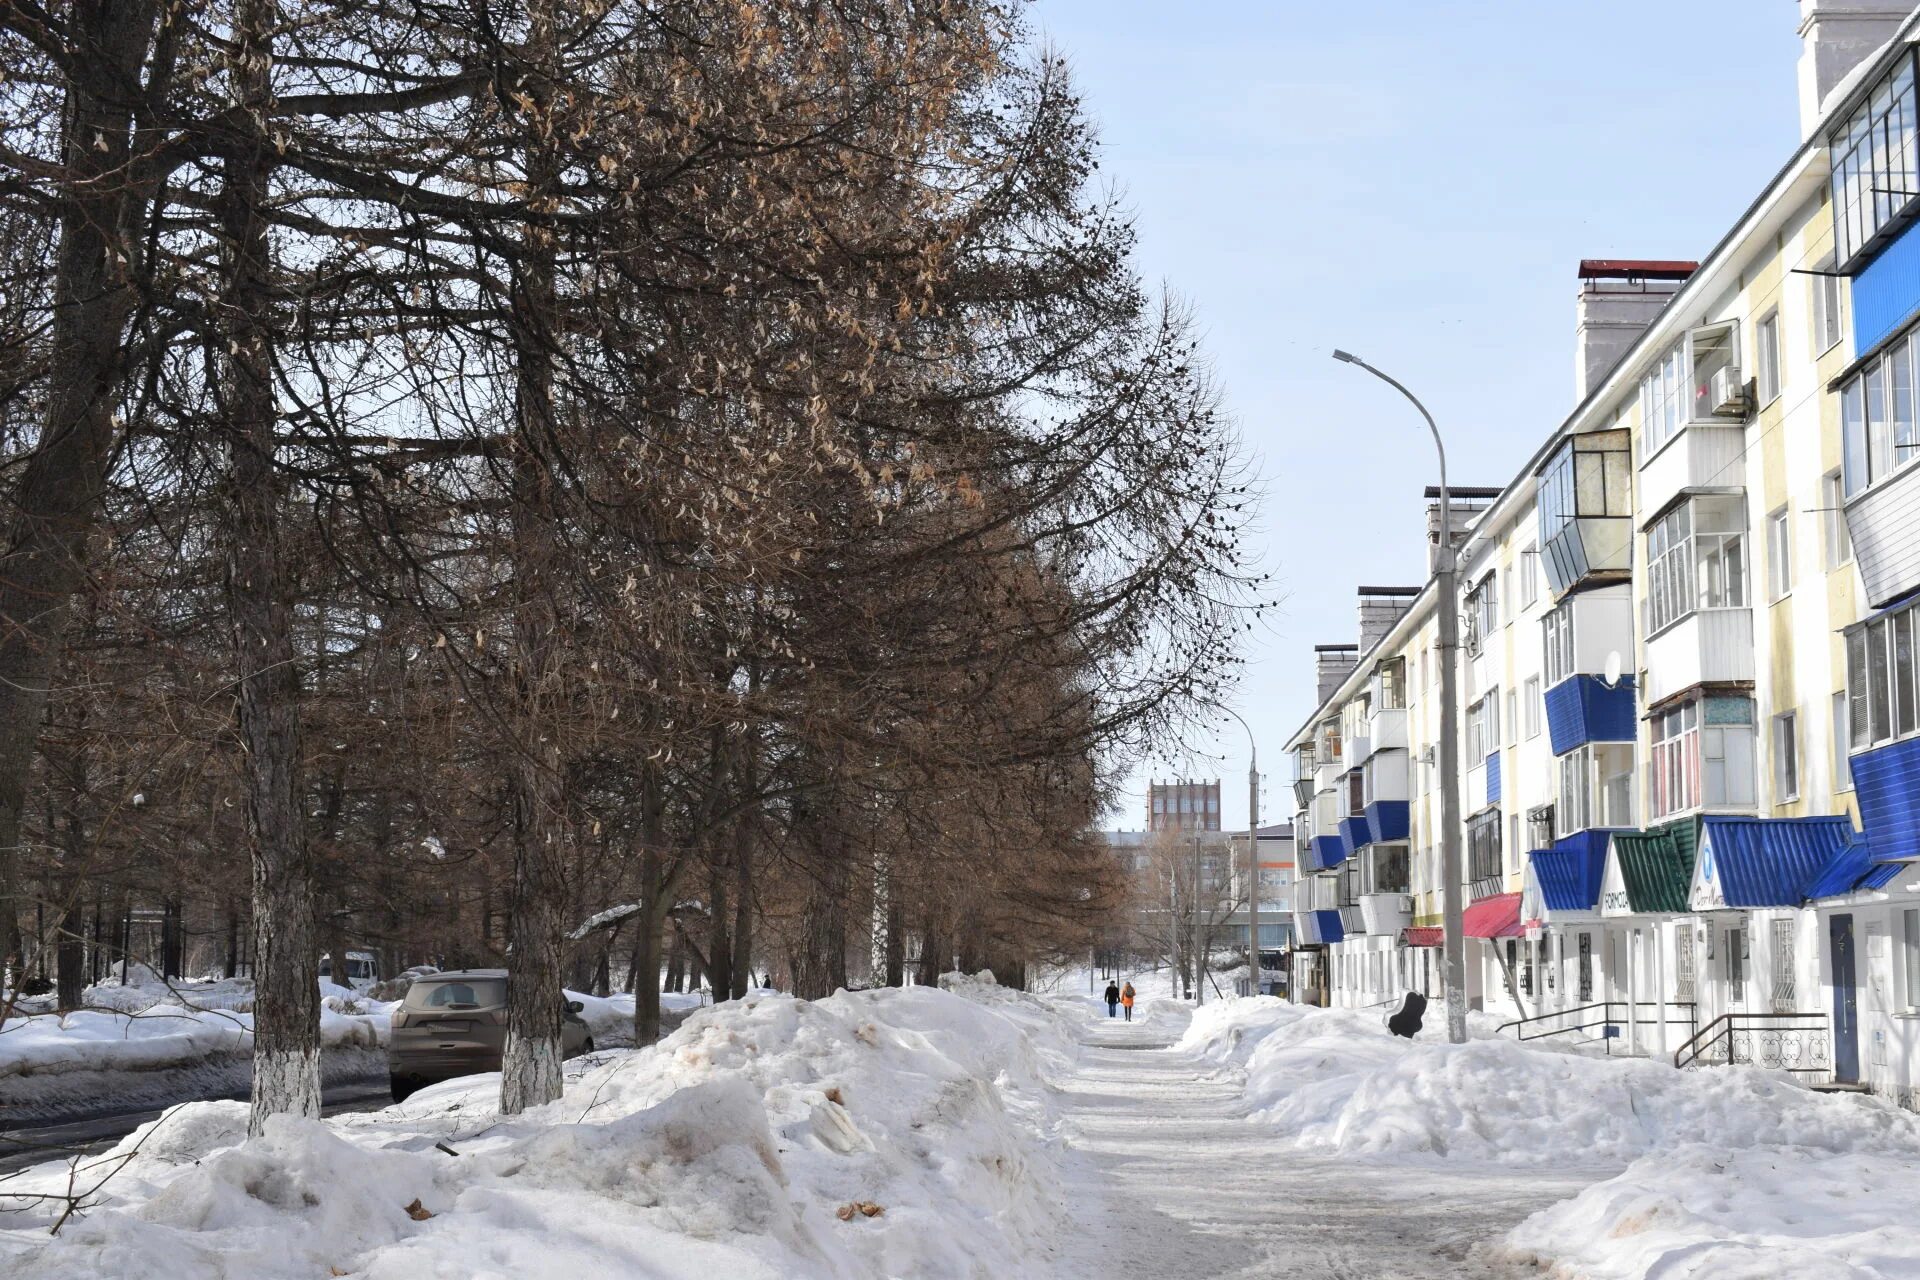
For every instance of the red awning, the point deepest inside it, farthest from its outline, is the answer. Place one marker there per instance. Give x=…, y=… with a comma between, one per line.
x=1421, y=935
x=1495, y=917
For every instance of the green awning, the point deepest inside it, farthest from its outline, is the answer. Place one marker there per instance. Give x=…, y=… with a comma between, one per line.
x=1656, y=865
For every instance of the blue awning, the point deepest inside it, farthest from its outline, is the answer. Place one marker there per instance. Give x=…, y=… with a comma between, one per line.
x=1769, y=862
x=1569, y=874
x=1852, y=869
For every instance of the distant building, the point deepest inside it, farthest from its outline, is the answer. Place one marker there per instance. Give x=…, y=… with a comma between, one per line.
x=1183, y=806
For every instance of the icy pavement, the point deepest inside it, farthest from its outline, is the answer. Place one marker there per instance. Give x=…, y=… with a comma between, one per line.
x=1173, y=1182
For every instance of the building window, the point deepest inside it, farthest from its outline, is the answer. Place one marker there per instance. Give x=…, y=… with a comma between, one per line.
x=1878, y=433
x=1910, y=957
x=1873, y=161
x=1838, y=540
x=1736, y=961
x=1384, y=869
x=1883, y=680
x=1828, y=323
x=1703, y=755
x=1556, y=635
x=1391, y=685
x=1696, y=559
x=1586, y=505
x=1529, y=577
x=1786, y=757
x=1586, y=968
x=1533, y=700
x=1766, y=357
x=1483, y=611
x=1483, y=847
x=1662, y=393
x=1780, y=553
x=1842, y=740
x=1540, y=827
x=1483, y=729
x=1596, y=787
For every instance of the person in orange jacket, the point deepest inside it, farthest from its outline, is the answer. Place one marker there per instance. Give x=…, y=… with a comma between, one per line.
x=1126, y=1000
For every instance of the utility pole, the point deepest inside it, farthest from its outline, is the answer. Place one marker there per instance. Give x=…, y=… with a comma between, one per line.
x=1446, y=600
x=1199, y=963
x=1253, y=853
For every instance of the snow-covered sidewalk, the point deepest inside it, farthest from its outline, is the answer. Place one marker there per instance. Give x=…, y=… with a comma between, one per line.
x=1173, y=1181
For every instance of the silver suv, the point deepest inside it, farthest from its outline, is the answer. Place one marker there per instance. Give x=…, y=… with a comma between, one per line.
x=455, y=1024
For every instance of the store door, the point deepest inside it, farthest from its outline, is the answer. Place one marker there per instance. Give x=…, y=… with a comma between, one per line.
x=1846, y=1007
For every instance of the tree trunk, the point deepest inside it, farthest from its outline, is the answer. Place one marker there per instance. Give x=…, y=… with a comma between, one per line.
x=232, y=966
x=530, y=1073
x=742, y=969
x=652, y=917
x=56, y=504
x=719, y=941
x=896, y=939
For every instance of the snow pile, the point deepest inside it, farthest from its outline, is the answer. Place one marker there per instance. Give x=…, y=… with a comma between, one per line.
x=1336, y=1081
x=879, y=1133
x=1754, y=1214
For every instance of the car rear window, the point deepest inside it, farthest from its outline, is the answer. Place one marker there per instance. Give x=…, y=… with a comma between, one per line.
x=459, y=993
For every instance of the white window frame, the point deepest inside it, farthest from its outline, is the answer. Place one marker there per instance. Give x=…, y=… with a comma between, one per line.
x=1842, y=744
x=1557, y=644
x=1786, y=757
x=1833, y=511
x=1780, y=554
x=1766, y=357
x=1829, y=315
x=1690, y=569
x=1535, y=705
x=1689, y=755
x=1883, y=682
x=1910, y=959
x=1529, y=577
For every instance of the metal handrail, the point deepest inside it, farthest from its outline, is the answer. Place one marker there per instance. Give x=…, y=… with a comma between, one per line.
x=1726, y=1025
x=1606, y=1018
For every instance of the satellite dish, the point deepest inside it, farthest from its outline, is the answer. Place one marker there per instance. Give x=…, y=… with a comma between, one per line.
x=1613, y=666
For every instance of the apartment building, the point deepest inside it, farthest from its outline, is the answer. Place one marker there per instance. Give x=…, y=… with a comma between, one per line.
x=1688, y=675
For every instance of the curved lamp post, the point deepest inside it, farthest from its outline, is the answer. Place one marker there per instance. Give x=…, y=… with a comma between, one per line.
x=1446, y=591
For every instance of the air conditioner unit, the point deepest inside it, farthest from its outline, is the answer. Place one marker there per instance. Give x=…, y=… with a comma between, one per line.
x=1727, y=393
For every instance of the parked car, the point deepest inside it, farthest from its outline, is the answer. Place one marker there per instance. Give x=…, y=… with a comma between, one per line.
x=362, y=970
x=455, y=1024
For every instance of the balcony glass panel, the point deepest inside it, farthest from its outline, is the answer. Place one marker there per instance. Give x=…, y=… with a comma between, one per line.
x=1585, y=502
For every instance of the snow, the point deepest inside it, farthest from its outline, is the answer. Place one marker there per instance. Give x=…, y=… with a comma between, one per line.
x=745, y=1144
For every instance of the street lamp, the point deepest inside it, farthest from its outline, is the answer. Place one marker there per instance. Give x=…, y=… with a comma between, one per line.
x=1253, y=853
x=1446, y=593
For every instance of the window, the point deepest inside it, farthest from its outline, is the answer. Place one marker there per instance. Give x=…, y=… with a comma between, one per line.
x=1540, y=827
x=1827, y=322
x=1596, y=787
x=1780, y=553
x=1910, y=957
x=1529, y=577
x=1696, y=559
x=1586, y=505
x=1703, y=755
x=1736, y=961
x=1878, y=431
x=1533, y=700
x=1483, y=611
x=1842, y=773
x=1883, y=679
x=1483, y=847
x=1838, y=540
x=1513, y=712
x=1786, y=757
x=1384, y=869
x=1766, y=357
x=1660, y=400
x=1483, y=729
x=1873, y=161
x=1556, y=634
x=1586, y=968
x=1711, y=351
x=1391, y=685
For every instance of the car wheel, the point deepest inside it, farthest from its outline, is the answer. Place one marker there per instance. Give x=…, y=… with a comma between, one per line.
x=404, y=1087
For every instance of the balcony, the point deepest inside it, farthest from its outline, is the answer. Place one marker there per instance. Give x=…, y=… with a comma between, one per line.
x=1385, y=913
x=1387, y=730
x=1702, y=456
x=1586, y=510
x=1884, y=523
x=1707, y=646
x=1328, y=773
x=1585, y=708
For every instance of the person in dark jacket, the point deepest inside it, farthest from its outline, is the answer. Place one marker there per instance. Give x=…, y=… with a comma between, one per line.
x=1113, y=1000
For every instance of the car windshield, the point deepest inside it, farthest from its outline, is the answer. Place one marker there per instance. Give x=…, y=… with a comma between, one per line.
x=460, y=993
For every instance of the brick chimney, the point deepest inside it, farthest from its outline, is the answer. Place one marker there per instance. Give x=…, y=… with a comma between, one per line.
x=1618, y=300
x=1835, y=37
x=1380, y=608
x=1467, y=503
x=1332, y=663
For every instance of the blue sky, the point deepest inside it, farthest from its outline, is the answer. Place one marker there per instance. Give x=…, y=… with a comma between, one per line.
x=1416, y=182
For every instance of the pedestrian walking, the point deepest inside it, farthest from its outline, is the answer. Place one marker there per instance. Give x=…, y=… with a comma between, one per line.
x=1113, y=1000
x=1126, y=1000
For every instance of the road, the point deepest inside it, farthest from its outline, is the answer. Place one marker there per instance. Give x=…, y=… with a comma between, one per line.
x=1173, y=1184
x=20, y=1148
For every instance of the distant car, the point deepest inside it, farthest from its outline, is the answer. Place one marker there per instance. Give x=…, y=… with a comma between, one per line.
x=362, y=970
x=455, y=1024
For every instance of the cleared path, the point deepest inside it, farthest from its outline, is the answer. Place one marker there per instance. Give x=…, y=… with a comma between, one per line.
x=1171, y=1183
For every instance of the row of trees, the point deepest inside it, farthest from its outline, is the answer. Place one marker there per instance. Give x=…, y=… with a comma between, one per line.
x=503, y=479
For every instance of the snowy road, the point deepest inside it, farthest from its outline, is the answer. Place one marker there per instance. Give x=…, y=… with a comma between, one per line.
x=1173, y=1184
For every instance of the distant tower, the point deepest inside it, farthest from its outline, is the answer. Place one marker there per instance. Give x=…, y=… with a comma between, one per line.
x=1183, y=806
